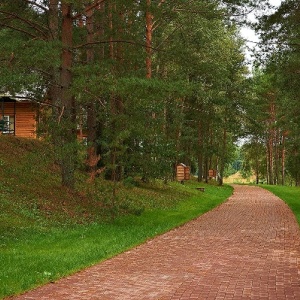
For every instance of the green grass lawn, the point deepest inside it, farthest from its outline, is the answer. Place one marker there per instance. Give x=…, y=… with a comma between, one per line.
x=290, y=194
x=42, y=254
x=47, y=232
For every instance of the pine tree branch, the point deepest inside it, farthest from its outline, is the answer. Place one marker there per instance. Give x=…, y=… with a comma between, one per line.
x=95, y=96
x=87, y=9
x=273, y=43
x=216, y=13
x=115, y=41
x=207, y=11
x=33, y=25
x=19, y=30
x=244, y=14
x=43, y=72
x=168, y=37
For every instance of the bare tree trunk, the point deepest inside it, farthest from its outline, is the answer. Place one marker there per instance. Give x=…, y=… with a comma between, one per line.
x=149, y=31
x=271, y=140
x=116, y=104
x=222, y=158
x=256, y=164
x=200, y=152
x=270, y=159
x=67, y=115
x=206, y=169
x=277, y=151
x=178, y=137
x=54, y=89
x=257, y=175
x=283, y=158
x=92, y=156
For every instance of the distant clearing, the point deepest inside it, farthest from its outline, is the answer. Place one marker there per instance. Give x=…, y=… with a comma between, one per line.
x=238, y=178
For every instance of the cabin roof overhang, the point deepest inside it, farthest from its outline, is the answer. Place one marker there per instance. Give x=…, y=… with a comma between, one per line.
x=17, y=98
x=7, y=99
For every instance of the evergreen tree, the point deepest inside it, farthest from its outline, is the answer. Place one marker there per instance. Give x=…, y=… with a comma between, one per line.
x=151, y=85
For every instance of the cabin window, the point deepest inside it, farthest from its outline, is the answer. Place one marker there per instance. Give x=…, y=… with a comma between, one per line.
x=8, y=125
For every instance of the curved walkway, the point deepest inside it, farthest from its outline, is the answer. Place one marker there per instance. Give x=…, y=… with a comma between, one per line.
x=247, y=248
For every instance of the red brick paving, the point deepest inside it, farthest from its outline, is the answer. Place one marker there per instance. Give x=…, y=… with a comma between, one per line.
x=247, y=248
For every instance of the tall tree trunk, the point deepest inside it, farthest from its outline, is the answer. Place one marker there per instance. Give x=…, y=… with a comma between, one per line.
x=67, y=116
x=206, y=168
x=92, y=156
x=53, y=19
x=112, y=97
x=178, y=134
x=54, y=88
x=277, y=156
x=256, y=172
x=256, y=143
x=271, y=141
x=149, y=31
x=207, y=136
x=222, y=158
x=284, y=134
x=200, y=152
x=116, y=104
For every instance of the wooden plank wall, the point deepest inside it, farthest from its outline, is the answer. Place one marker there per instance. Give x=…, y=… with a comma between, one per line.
x=179, y=173
x=25, y=118
x=182, y=173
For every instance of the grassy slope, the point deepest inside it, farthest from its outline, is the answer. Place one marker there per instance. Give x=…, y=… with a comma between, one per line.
x=46, y=232
x=290, y=194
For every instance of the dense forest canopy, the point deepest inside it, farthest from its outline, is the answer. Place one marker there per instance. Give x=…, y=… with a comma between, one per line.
x=154, y=83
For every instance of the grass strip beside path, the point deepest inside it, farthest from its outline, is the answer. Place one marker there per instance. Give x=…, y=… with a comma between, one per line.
x=44, y=254
x=289, y=194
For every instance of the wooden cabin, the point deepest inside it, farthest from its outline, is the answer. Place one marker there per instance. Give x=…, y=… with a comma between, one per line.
x=18, y=118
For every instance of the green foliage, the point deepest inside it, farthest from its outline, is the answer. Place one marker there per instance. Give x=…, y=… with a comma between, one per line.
x=22, y=268
x=47, y=232
x=235, y=164
x=144, y=126
x=275, y=83
x=272, y=113
x=254, y=159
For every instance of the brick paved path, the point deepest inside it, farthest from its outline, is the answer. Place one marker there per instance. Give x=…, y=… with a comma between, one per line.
x=247, y=248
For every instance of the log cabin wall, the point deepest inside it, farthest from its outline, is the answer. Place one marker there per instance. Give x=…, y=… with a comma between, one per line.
x=25, y=118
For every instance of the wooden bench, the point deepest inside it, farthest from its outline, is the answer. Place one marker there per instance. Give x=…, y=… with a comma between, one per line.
x=202, y=189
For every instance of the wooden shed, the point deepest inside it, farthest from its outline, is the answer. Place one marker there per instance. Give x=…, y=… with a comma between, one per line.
x=18, y=117
x=212, y=173
x=182, y=172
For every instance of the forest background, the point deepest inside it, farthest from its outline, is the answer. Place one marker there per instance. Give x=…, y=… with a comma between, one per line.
x=151, y=84
x=156, y=83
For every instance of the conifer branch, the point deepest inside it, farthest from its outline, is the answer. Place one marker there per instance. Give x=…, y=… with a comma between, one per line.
x=168, y=37
x=31, y=24
x=272, y=43
x=95, y=96
x=115, y=41
x=87, y=9
x=191, y=11
x=18, y=29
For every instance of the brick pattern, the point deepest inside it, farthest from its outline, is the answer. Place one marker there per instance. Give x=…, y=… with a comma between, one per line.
x=247, y=248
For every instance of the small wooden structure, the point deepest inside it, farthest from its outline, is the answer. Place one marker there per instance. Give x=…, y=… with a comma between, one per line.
x=212, y=173
x=17, y=117
x=182, y=172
